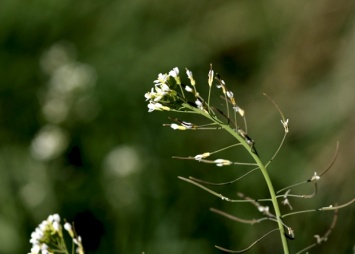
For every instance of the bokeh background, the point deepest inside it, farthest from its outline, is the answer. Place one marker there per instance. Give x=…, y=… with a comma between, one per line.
x=76, y=138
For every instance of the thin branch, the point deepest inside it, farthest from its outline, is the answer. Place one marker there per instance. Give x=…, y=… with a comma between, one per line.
x=224, y=183
x=333, y=160
x=212, y=161
x=262, y=209
x=301, y=196
x=249, y=247
x=320, y=240
x=277, y=150
x=276, y=106
x=285, y=125
x=326, y=208
x=315, y=177
x=231, y=217
x=211, y=191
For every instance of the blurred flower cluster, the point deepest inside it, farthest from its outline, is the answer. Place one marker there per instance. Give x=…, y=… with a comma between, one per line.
x=48, y=237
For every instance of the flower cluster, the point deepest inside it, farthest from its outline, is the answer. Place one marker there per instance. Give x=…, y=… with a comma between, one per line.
x=48, y=237
x=164, y=97
x=160, y=96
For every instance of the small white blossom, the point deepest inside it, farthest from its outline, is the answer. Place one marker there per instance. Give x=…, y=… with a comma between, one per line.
x=68, y=227
x=188, y=89
x=149, y=95
x=222, y=84
x=165, y=88
x=263, y=209
x=230, y=94
x=35, y=249
x=44, y=249
x=157, y=106
x=77, y=241
x=285, y=125
x=318, y=238
x=189, y=75
x=210, y=77
x=174, y=72
x=199, y=157
x=199, y=104
x=56, y=226
x=177, y=127
x=239, y=110
x=162, y=79
x=54, y=217
x=187, y=125
x=222, y=162
x=287, y=202
x=174, y=126
x=315, y=177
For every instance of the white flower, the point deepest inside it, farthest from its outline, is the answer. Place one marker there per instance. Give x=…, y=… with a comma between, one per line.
x=53, y=218
x=263, y=209
x=174, y=72
x=186, y=124
x=210, y=76
x=150, y=95
x=221, y=85
x=56, y=225
x=189, y=75
x=230, y=94
x=77, y=241
x=222, y=162
x=199, y=104
x=44, y=249
x=36, y=236
x=315, y=177
x=285, y=125
x=188, y=89
x=68, y=227
x=199, y=157
x=162, y=78
x=177, y=127
x=152, y=106
x=239, y=110
x=35, y=249
x=156, y=106
x=161, y=90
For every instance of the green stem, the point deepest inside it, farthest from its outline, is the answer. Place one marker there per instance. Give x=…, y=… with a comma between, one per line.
x=269, y=185
x=263, y=171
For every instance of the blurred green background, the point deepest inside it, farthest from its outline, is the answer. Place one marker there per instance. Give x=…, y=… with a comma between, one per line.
x=76, y=138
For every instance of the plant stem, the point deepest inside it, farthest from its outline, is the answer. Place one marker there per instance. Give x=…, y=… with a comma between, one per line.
x=262, y=168
x=269, y=185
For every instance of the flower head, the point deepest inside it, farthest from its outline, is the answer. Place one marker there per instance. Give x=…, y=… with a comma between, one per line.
x=157, y=106
x=210, y=77
x=189, y=75
x=162, y=79
x=48, y=236
x=174, y=72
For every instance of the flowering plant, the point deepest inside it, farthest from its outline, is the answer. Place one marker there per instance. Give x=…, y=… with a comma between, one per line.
x=48, y=237
x=171, y=94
